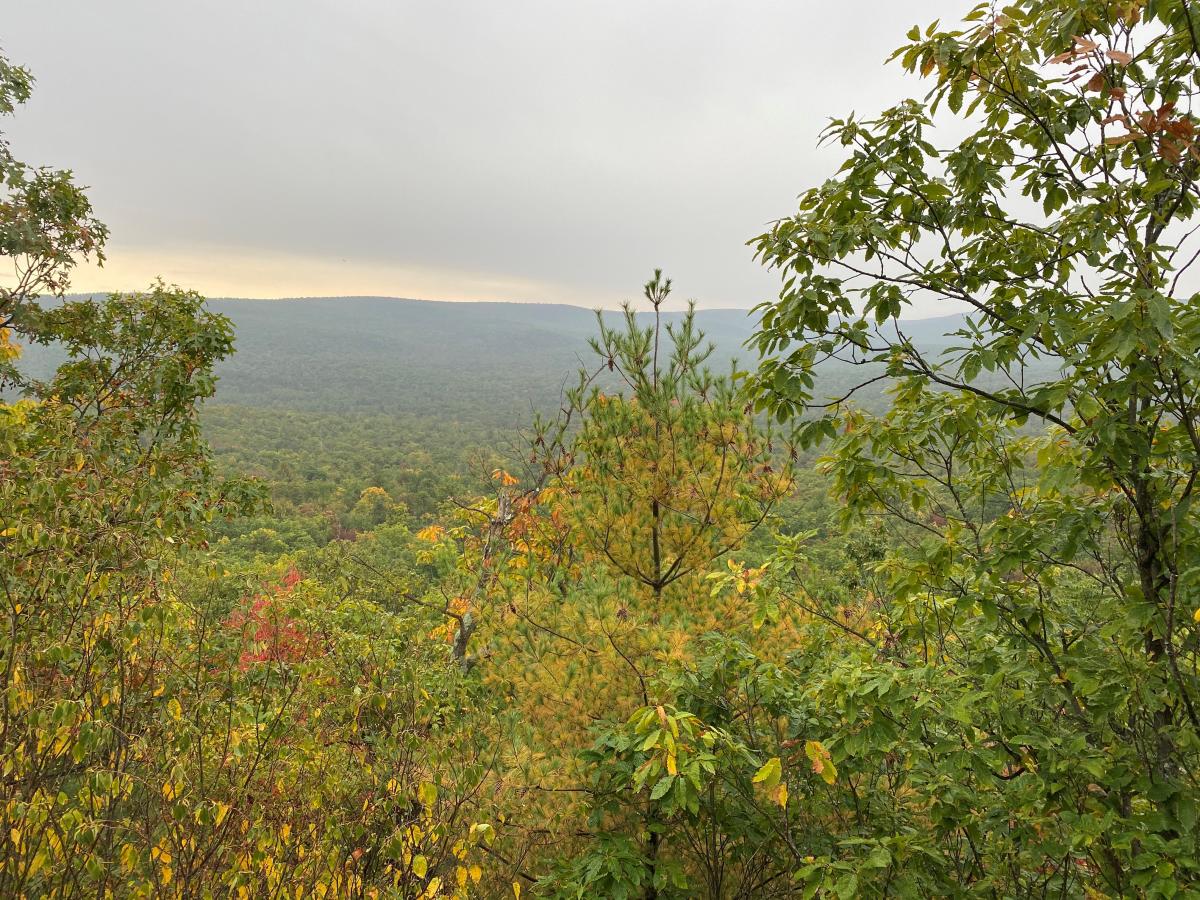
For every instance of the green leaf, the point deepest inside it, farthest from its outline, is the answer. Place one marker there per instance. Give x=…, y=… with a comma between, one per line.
x=660, y=789
x=769, y=773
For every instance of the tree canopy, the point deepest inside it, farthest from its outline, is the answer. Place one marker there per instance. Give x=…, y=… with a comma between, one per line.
x=659, y=648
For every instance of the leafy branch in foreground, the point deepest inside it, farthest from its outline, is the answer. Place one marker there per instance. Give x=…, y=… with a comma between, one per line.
x=1053, y=572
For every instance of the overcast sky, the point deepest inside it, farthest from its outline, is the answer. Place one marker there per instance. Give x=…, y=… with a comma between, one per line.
x=536, y=151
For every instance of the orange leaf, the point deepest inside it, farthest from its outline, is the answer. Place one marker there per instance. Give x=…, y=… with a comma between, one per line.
x=431, y=533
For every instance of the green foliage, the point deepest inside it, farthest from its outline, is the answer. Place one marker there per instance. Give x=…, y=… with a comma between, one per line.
x=565, y=594
x=317, y=465
x=999, y=697
x=668, y=473
x=104, y=478
x=976, y=676
x=169, y=729
x=46, y=221
x=1014, y=705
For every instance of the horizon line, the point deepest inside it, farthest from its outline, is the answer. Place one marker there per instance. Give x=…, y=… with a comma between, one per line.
x=747, y=310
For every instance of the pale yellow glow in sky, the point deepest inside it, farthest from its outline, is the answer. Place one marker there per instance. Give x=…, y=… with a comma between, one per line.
x=233, y=272
x=536, y=151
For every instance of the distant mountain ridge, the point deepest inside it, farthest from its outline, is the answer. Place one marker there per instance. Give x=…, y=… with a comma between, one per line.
x=425, y=357
x=471, y=360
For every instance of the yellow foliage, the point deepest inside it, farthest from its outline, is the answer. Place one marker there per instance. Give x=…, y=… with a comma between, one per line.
x=9, y=350
x=822, y=764
x=431, y=533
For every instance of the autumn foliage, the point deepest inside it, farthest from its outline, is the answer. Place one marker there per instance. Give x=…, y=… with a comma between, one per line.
x=667, y=650
x=268, y=633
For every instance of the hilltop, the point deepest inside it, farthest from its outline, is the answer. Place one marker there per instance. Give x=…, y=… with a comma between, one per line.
x=487, y=363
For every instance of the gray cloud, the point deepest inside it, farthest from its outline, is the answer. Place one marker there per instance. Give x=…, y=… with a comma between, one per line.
x=531, y=150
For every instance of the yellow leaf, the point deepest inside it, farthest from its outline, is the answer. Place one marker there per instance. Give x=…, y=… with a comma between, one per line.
x=780, y=794
x=427, y=793
x=769, y=774
x=420, y=865
x=516, y=889
x=431, y=533
x=822, y=763
x=175, y=709
x=476, y=873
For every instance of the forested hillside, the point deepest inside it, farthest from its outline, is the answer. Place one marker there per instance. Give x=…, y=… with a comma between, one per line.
x=483, y=364
x=328, y=397
x=487, y=363
x=358, y=597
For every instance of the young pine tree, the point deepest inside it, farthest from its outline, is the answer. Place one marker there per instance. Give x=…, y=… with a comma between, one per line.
x=578, y=592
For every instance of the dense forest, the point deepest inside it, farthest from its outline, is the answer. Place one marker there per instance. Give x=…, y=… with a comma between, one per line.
x=368, y=597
